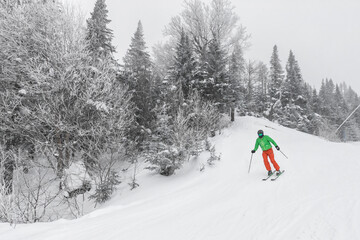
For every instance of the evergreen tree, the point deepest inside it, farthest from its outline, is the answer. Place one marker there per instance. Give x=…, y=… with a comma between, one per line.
x=340, y=108
x=237, y=66
x=184, y=65
x=293, y=82
x=262, y=87
x=236, y=77
x=98, y=35
x=217, y=84
x=201, y=71
x=251, y=75
x=137, y=68
x=322, y=96
x=326, y=95
x=296, y=112
x=307, y=91
x=137, y=59
x=276, y=76
x=315, y=102
x=351, y=98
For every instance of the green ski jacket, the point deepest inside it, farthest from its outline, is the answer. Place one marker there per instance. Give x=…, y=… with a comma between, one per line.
x=265, y=143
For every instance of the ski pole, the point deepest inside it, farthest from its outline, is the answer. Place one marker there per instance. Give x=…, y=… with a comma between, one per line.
x=283, y=154
x=250, y=162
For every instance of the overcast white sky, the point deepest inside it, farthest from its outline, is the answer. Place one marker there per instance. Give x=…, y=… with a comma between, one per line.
x=323, y=34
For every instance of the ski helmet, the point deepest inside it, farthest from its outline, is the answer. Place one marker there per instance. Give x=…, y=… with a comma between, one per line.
x=260, y=133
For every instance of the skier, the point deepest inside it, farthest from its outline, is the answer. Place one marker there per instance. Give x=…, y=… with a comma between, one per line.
x=265, y=143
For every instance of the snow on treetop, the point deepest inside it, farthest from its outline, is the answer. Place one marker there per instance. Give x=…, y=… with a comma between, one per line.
x=101, y=106
x=22, y=92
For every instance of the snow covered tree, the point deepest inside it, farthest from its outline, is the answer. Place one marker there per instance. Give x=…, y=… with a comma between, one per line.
x=98, y=34
x=213, y=30
x=56, y=102
x=203, y=21
x=236, y=77
x=174, y=89
x=183, y=70
x=336, y=102
x=276, y=76
x=237, y=65
x=315, y=102
x=262, y=87
x=176, y=138
x=164, y=57
x=291, y=107
x=217, y=85
x=297, y=111
x=293, y=83
x=250, y=78
x=340, y=108
x=326, y=94
x=11, y=4
x=138, y=73
x=351, y=97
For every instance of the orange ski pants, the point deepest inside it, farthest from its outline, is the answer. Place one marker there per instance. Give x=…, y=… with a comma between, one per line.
x=269, y=153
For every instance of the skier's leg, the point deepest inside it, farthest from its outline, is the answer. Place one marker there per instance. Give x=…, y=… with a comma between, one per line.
x=266, y=161
x=272, y=159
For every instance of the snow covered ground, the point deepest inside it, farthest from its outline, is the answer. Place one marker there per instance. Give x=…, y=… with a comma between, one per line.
x=318, y=197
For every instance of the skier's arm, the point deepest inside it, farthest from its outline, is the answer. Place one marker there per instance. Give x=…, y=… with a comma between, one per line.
x=272, y=141
x=256, y=145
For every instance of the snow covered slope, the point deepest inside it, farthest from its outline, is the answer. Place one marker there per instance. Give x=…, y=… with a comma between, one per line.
x=318, y=197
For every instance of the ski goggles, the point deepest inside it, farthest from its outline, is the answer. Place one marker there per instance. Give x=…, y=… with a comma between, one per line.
x=260, y=134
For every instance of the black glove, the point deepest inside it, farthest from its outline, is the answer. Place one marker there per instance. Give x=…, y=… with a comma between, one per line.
x=277, y=148
x=252, y=151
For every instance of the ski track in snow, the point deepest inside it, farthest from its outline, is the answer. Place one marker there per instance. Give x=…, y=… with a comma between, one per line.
x=316, y=198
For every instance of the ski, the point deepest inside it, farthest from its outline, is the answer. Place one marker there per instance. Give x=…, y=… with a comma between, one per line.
x=273, y=179
x=264, y=179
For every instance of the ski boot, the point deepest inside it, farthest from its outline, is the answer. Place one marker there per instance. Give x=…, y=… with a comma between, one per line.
x=278, y=172
x=270, y=173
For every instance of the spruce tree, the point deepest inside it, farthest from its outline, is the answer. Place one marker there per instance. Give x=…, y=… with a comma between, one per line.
x=351, y=98
x=201, y=72
x=276, y=76
x=137, y=67
x=237, y=66
x=217, y=85
x=315, y=103
x=98, y=35
x=340, y=108
x=293, y=81
x=326, y=95
x=236, y=77
x=184, y=65
x=262, y=87
x=250, y=78
x=323, y=97
x=296, y=112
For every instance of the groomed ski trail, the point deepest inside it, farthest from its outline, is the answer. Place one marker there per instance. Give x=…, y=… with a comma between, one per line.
x=317, y=198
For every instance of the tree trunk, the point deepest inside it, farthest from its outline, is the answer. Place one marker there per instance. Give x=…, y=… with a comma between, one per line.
x=67, y=150
x=60, y=157
x=9, y=166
